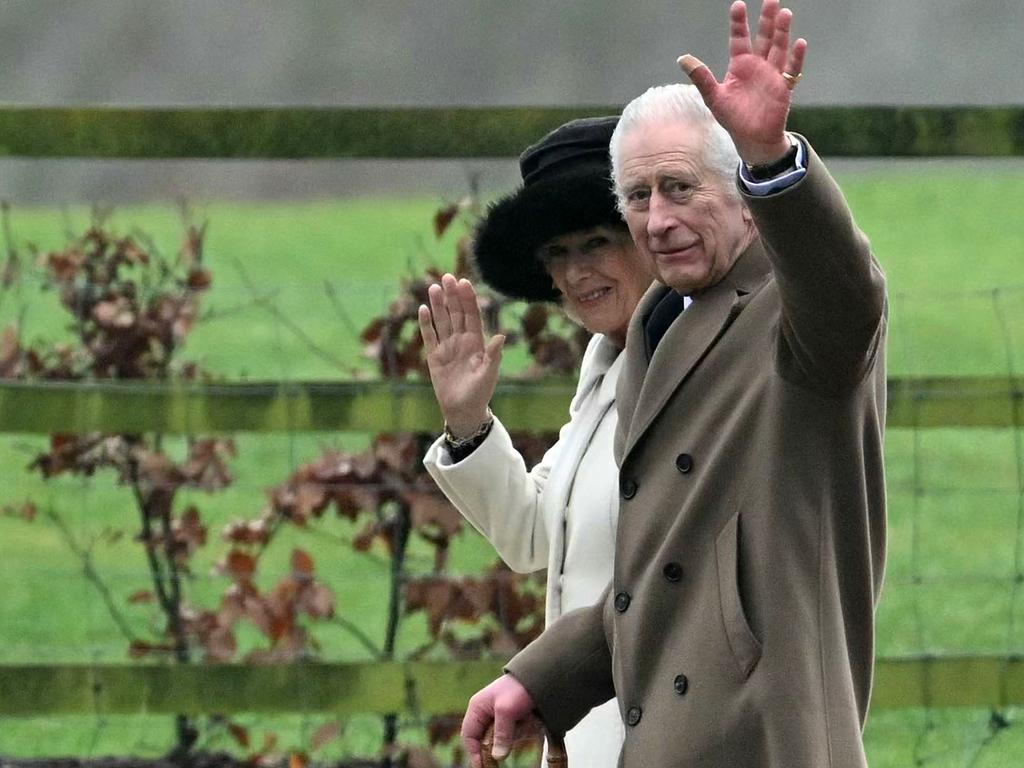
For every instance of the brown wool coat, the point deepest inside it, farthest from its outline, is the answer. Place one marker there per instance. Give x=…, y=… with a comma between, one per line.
x=738, y=629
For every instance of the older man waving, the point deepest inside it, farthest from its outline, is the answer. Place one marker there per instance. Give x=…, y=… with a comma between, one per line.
x=738, y=628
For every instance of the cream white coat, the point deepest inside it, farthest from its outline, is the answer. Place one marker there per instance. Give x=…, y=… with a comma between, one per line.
x=560, y=515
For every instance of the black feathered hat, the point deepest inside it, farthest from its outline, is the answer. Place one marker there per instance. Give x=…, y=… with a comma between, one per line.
x=566, y=188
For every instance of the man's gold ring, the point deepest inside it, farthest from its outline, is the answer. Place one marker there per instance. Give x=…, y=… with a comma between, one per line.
x=792, y=80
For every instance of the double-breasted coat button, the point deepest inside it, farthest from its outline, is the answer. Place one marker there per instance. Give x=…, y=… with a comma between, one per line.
x=627, y=488
x=681, y=684
x=684, y=462
x=673, y=571
x=622, y=602
x=633, y=715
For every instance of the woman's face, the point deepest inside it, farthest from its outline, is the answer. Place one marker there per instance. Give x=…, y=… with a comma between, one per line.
x=601, y=277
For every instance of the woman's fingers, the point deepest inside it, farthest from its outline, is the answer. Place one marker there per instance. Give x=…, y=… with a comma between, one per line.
x=470, y=307
x=427, y=328
x=453, y=303
x=493, y=352
x=442, y=321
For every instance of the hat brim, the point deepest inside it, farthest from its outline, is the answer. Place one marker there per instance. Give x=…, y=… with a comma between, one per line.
x=507, y=241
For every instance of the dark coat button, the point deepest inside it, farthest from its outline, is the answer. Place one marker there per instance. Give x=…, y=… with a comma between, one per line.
x=673, y=571
x=633, y=715
x=684, y=462
x=622, y=602
x=627, y=488
x=681, y=684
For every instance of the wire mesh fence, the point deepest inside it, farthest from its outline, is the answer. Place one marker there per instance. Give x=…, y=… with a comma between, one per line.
x=953, y=585
x=955, y=572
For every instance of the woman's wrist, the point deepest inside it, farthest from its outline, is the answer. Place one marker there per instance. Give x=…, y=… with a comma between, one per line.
x=462, y=427
x=460, y=448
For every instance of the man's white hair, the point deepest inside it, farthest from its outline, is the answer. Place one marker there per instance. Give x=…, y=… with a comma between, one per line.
x=682, y=104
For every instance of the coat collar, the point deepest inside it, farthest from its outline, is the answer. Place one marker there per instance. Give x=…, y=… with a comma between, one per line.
x=646, y=385
x=601, y=362
x=750, y=271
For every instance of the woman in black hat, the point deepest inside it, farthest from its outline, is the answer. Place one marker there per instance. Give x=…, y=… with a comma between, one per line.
x=558, y=238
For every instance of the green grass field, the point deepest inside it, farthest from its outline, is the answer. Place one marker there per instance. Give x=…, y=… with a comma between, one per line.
x=946, y=242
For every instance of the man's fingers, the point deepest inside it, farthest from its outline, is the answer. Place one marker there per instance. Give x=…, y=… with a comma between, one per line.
x=442, y=322
x=504, y=702
x=504, y=733
x=427, y=328
x=795, y=64
x=474, y=725
x=780, y=43
x=699, y=75
x=739, y=32
x=470, y=307
x=473, y=749
x=766, y=25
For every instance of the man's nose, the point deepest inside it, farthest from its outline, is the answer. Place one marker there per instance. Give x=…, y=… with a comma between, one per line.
x=661, y=216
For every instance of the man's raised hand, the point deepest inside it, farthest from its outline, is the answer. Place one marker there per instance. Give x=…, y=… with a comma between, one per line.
x=752, y=101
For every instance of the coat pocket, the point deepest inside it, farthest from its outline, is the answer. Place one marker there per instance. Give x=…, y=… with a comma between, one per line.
x=745, y=647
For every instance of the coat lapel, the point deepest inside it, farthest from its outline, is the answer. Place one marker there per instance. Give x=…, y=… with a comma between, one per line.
x=634, y=367
x=597, y=397
x=646, y=386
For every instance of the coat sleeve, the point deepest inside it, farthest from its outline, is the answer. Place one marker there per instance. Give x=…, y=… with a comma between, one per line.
x=494, y=491
x=497, y=494
x=831, y=287
x=568, y=669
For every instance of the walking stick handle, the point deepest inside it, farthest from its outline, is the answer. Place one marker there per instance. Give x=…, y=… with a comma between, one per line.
x=557, y=758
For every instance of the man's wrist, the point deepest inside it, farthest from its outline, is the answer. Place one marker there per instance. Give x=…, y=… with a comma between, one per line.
x=766, y=154
x=783, y=163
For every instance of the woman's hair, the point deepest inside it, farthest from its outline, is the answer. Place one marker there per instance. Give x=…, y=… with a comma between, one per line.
x=681, y=104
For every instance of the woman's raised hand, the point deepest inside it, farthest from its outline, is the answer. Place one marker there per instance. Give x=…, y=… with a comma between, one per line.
x=463, y=365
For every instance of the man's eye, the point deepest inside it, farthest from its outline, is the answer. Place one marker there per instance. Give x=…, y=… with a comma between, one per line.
x=595, y=243
x=677, y=187
x=638, y=196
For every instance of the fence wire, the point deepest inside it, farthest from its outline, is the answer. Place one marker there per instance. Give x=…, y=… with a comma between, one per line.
x=953, y=586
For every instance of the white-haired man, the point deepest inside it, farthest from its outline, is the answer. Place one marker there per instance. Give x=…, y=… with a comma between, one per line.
x=738, y=628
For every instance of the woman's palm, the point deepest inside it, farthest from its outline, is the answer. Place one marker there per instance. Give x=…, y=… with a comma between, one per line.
x=462, y=372
x=463, y=366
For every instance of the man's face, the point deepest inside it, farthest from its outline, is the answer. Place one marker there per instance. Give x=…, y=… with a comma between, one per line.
x=679, y=212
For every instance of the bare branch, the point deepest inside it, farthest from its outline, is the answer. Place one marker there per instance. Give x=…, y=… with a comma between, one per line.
x=339, y=308
x=271, y=308
x=359, y=635
x=84, y=556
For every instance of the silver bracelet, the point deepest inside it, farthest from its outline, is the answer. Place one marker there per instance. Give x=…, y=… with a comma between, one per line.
x=459, y=442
